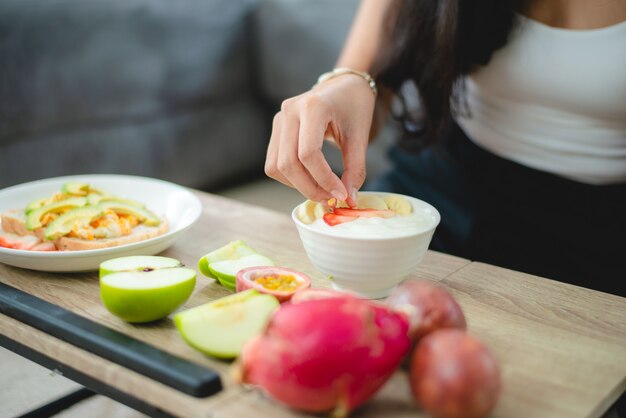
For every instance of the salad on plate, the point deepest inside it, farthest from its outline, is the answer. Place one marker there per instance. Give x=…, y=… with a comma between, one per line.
x=79, y=217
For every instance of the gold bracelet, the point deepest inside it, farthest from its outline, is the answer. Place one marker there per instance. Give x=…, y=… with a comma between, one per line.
x=341, y=71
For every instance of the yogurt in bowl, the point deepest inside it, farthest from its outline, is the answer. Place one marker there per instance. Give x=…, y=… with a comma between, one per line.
x=368, y=255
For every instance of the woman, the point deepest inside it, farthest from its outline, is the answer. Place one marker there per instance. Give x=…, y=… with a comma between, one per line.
x=520, y=141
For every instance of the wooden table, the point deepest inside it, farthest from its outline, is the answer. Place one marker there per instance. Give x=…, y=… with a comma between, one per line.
x=562, y=348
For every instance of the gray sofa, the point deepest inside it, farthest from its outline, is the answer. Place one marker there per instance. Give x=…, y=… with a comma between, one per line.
x=182, y=91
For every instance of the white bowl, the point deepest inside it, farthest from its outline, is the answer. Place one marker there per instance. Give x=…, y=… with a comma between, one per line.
x=372, y=265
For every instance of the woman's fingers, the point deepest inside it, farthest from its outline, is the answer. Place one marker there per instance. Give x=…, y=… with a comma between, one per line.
x=343, y=107
x=313, y=123
x=354, y=153
x=288, y=163
x=271, y=159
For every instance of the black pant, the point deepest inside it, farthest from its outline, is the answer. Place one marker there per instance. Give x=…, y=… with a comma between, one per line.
x=503, y=213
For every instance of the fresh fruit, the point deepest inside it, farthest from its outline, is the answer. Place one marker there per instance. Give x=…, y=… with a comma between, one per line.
x=333, y=219
x=428, y=306
x=77, y=189
x=36, y=204
x=34, y=217
x=398, y=204
x=364, y=213
x=453, y=375
x=224, y=263
x=304, y=295
x=280, y=282
x=226, y=271
x=145, y=263
x=144, y=288
x=310, y=211
x=95, y=198
x=326, y=354
x=63, y=224
x=231, y=251
x=370, y=201
x=143, y=215
x=80, y=189
x=221, y=328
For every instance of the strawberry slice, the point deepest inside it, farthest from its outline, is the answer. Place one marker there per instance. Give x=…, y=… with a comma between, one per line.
x=365, y=213
x=333, y=219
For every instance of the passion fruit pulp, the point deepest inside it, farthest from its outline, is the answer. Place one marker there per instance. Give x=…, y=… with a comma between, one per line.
x=280, y=282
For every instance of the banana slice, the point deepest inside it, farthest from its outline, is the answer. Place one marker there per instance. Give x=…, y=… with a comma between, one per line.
x=310, y=211
x=398, y=204
x=368, y=201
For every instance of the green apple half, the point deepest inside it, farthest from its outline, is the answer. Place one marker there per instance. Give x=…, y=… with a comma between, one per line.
x=224, y=263
x=144, y=288
x=221, y=328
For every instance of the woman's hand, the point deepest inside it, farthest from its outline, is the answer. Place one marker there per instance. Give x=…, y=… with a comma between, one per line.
x=339, y=110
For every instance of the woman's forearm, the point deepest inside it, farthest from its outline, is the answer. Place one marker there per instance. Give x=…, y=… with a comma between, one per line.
x=365, y=36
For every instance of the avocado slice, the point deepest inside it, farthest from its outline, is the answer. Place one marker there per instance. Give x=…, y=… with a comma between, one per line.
x=144, y=215
x=36, y=204
x=78, y=189
x=33, y=218
x=63, y=224
x=94, y=199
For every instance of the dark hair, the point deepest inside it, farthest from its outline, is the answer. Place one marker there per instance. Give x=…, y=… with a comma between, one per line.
x=433, y=43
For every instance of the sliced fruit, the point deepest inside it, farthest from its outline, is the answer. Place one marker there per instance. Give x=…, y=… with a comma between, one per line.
x=333, y=219
x=369, y=201
x=95, y=190
x=77, y=189
x=398, y=204
x=310, y=211
x=365, y=213
x=142, y=214
x=33, y=219
x=36, y=204
x=231, y=251
x=221, y=328
x=63, y=224
x=334, y=203
x=280, y=282
x=144, y=263
x=95, y=198
x=321, y=293
x=225, y=271
x=137, y=295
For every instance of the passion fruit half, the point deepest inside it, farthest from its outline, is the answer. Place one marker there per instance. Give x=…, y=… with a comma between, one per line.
x=280, y=282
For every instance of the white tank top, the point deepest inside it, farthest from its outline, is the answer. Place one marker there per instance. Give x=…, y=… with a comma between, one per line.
x=554, y=100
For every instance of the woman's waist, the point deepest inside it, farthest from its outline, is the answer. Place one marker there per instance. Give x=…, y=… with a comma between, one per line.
x=587, y=153
x=498, y=176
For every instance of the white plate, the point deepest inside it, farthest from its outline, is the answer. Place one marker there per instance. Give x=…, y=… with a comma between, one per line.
x=177, y=204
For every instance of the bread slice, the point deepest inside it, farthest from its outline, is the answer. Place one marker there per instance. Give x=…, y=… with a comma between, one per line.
x=140, y=233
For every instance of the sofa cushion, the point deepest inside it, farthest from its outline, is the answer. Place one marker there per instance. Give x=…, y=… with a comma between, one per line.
x=200, y=149
x=75, y=63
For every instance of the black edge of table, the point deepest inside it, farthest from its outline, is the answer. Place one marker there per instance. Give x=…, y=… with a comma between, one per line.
x=81, y=378
x=177, y=373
